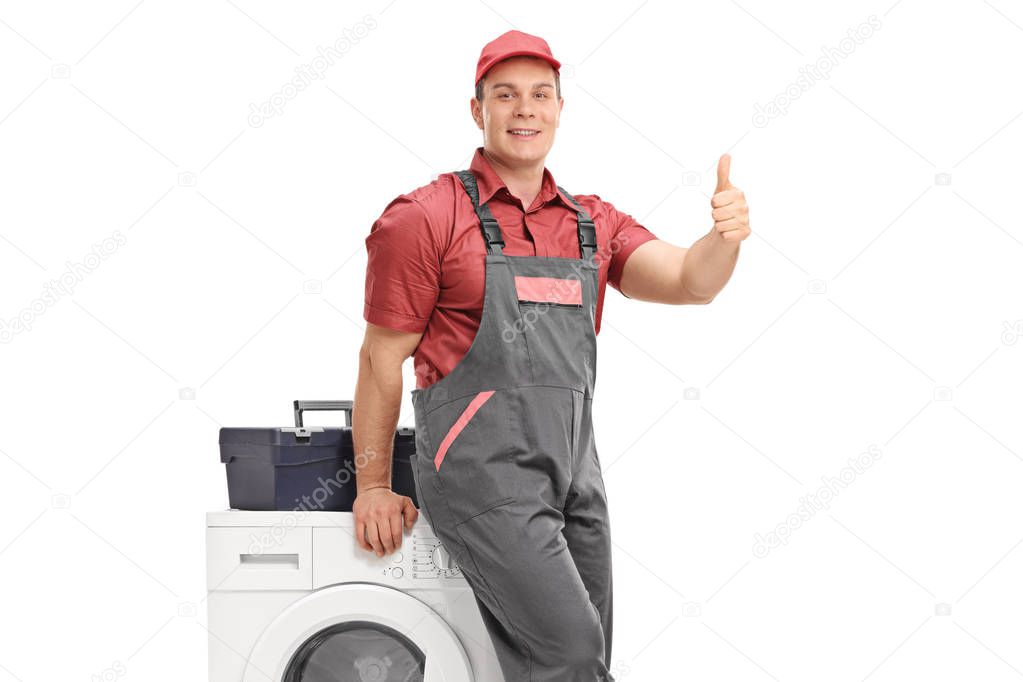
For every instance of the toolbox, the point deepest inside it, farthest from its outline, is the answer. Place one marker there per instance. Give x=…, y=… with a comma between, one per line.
x=304, y=468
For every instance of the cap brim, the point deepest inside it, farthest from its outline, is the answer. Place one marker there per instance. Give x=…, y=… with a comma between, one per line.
x=522, y=53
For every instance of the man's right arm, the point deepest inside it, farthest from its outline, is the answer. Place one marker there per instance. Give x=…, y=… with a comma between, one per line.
x=402, y=287
x=378, y=510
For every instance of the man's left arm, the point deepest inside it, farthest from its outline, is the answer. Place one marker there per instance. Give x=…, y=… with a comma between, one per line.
x=660, y=272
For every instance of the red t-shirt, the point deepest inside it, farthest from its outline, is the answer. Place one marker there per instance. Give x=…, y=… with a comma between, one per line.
x=426, y=267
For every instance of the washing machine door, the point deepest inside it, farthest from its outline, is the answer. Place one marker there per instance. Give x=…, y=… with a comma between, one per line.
x=358, y=632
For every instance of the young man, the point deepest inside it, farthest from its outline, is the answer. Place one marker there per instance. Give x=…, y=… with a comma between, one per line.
x=493, y=278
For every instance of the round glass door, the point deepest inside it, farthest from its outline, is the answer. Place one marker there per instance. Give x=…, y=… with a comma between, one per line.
x=357, y=651
x=362, y=632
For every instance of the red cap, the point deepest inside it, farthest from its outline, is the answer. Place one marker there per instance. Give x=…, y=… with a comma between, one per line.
x=513, y=44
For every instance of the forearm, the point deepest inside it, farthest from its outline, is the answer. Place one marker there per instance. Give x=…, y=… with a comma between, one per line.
x=708, y=265
x=377, y=406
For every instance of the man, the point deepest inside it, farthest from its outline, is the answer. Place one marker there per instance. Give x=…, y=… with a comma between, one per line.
x=494, y=280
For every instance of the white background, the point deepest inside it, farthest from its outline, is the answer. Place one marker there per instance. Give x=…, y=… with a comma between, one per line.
x=875, y=306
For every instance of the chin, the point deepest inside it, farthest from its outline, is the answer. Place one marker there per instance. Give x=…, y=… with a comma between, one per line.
x=526, y=151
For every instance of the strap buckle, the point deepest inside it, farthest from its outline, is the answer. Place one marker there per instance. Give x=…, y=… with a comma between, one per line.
x=587, y=231
x=492, y=231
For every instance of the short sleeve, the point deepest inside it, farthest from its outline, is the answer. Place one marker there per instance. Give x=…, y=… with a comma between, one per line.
x=403, y=268
x=625, y=236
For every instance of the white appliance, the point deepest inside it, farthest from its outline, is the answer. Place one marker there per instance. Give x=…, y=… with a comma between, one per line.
x=293, y=598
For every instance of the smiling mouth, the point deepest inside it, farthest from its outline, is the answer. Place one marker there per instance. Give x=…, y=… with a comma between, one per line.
x=524, y=133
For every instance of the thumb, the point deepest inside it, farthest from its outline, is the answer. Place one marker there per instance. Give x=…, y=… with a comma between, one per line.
x=410, y=513
x=724, y=164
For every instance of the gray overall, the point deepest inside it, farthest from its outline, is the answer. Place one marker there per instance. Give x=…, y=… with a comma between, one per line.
x=506, y=469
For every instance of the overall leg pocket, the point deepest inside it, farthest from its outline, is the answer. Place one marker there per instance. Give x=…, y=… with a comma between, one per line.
x=478, y=436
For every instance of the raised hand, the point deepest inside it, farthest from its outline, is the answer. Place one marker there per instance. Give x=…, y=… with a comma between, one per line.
x=729, y=209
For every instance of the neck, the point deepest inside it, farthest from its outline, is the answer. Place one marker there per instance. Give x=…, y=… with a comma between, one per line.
x=523, y=181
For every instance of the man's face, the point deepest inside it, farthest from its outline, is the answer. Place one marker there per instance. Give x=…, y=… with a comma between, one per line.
x=519, y=94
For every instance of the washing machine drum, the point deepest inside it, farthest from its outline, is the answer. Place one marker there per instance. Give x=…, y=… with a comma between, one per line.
x=358, y=651
x=358, y=632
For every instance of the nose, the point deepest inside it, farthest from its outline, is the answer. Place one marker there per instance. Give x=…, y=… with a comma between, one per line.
x=524, y=107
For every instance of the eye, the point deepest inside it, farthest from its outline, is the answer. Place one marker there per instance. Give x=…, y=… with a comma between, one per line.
x=542, y=94
x=503, y=95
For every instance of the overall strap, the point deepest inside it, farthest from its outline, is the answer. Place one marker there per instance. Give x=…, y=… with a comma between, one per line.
x=492, y=231
x=587, y=230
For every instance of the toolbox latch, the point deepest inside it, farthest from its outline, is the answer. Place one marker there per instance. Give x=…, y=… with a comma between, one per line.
x=302, y=432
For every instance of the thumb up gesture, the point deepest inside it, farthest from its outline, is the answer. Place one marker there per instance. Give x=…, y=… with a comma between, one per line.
x=730, y=212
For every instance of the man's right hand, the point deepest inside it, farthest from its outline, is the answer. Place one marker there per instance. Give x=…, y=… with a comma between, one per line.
x=378, y=519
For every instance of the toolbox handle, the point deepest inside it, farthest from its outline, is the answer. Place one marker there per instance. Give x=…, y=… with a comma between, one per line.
x=325, y=405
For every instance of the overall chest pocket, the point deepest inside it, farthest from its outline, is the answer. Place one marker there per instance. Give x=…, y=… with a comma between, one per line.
x=561, y=292
x=475, y=441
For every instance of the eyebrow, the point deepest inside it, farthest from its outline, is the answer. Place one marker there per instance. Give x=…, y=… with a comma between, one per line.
x=512, y=85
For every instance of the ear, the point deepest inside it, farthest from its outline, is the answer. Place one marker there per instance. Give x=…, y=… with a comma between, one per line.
x=476, y=111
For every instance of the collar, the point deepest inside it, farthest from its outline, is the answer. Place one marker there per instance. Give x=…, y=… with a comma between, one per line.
x=489, y=182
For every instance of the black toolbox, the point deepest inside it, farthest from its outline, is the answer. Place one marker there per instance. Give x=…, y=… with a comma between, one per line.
x=304, y=468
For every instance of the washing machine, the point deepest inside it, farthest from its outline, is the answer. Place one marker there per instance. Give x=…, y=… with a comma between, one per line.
x=292, y=598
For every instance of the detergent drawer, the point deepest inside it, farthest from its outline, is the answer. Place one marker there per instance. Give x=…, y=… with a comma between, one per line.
x=259, y=558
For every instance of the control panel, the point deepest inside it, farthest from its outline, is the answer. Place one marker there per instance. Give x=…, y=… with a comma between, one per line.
x=431, y=560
